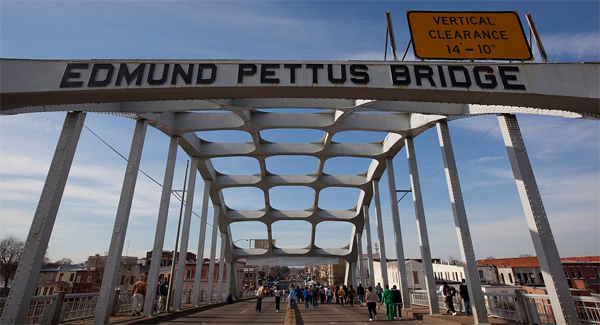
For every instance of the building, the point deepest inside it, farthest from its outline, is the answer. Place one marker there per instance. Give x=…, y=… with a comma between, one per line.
x=516, y=271
x=167, y=258
x=583, y=272
x=129, y=270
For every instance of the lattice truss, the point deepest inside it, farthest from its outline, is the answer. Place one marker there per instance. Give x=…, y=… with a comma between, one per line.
x=336, y=116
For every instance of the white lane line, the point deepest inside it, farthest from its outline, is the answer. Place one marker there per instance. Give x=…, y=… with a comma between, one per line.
x=245, y=310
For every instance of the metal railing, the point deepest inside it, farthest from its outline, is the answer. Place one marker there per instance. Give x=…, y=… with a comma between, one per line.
x=502, y=305
x=506, y=306
x=45, y=309
x=79, y=306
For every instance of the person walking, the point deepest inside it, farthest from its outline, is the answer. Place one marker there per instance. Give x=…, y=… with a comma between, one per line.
x=388, y=298
x=298, y=294
x=322, y=295
x=360, y=291
x=329, y=295
x=277, y=298
x=337, y=294
x=371, y=298
x=448, y=293
x=164, y=291
x=306, y=296
x=378, y=291
x=342, y=294
x=397, y=302
x=315, y=296
x=259, y=297
x=292, y=298
x=351, y=294
x=139, y=291
x=463, y=290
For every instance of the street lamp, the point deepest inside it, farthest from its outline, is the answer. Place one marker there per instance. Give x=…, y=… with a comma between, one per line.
x=248, y=240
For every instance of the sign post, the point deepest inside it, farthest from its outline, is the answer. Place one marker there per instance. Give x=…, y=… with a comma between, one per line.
x=468, y=35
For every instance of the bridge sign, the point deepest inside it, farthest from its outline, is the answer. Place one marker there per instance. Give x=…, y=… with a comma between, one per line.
x=468, y=35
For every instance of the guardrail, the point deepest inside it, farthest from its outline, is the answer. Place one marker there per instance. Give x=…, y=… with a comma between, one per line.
x=536, y=309
x=61, y=307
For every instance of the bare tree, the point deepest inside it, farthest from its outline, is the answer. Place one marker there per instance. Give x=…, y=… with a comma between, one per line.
x=526, y=255
x=452, y=260
x=65, y=262
x=11, y=248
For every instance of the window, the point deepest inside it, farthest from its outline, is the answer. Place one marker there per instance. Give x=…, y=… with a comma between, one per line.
x=188, y=274
x=132, y=279
x=60, y=277
x=416, y=277
x=51, y=291
x=502, y=276
x=532, y=277
x=574, y=276
x=123, y=280
x=71, y=277
x=541, y=277
x=580, y=273
x=78, y=280
x=45, y=291
x=89, y=278
x=566, y=274
x=481, y=277
x=510, y=278
x=596, y=273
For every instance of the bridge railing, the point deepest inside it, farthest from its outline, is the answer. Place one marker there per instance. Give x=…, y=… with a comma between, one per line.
x=537, y=308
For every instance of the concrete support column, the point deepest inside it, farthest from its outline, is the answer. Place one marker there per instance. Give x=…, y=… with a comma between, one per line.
x=221, y=267
x=556, y=283
x=30, y=263
x=161, y=226
x=228, y=279
x=348, y=274
x=378, y=219
x=462, y=226
x=213, y=251
x=361, y=267
x=369, y=246
x=415, y=184
x=185, y=234
x=400, y=265
x=113, y=261
x=201, y=240
x=353, y=274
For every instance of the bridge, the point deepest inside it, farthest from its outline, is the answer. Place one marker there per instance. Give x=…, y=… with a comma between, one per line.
x=180, y=98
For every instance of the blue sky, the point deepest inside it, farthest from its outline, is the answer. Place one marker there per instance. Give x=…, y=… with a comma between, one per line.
x=565, y=153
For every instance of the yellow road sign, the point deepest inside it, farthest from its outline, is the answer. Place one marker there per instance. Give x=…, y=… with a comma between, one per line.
x=468, y=35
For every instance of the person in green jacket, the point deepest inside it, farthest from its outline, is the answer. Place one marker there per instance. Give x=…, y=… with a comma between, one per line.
x=388, y=298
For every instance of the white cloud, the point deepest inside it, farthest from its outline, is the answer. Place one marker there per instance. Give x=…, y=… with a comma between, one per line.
x=483, y=160
x=573, y=46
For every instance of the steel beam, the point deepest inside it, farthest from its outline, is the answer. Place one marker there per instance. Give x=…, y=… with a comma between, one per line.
x=201, y=240
x=380, y=238
x=161, y=226
x=369, y=246
x=361, y=266
x=415, y=184
x=462, y=226
x=25, y=280
x=213, y=251
x=185, y=235
x=113, y=260
x=563, y=307
x=221, y=267
x=400, y=265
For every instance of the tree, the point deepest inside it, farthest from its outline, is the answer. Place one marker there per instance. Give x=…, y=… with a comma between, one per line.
x=526, y=255
x=11, y=248
x=65, y=262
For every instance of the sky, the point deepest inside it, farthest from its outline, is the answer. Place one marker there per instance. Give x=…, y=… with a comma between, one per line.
x=564, y=153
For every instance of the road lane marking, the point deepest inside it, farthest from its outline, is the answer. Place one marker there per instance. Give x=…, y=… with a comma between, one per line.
x=245, y=310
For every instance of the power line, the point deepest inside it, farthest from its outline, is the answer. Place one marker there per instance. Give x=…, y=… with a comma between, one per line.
x=486, y=132
x=174, y=193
